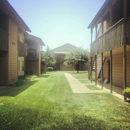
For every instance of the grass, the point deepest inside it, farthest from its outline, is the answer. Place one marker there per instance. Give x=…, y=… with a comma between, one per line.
x=49, y=104
x=93, y=87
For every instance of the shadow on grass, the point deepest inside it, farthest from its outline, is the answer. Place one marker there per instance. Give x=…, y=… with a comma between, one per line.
x=17, y=90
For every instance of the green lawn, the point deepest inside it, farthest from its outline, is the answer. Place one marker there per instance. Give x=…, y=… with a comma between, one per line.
x=49, y=104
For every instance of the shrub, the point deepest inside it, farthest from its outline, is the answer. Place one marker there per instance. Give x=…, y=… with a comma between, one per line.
x=18, y=83
x=127, y=90
x=50, y=68
x=126, y=93
x=21, y=77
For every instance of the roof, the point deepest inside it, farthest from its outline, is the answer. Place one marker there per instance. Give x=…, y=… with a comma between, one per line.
x=64, y=48
x=98, y=16
x=9, y=10
x=31, y=38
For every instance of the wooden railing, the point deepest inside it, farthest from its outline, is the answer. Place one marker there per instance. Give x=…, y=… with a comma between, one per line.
x=21, y=49
x=117, y=36
x=32, y=55
x=3, y=40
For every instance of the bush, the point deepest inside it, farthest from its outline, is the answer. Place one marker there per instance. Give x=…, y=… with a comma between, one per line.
x=50, y=68
x=18, y=83
x=126, y=93
x=21, y=77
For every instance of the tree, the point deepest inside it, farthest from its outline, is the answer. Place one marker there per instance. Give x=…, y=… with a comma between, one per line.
x=77, y=57
x=48, y=58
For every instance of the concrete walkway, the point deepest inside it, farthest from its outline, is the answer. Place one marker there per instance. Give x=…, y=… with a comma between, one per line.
x=78, y=87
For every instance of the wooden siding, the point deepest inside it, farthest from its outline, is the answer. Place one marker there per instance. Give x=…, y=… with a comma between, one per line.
x=112, y=38
x=21, y=66
x=21, y=49
x=3, y=40
x=117, y=69
x=32, y=55
x=13, y=52
x=105, y=68
x=32, y=67
x=128, y=66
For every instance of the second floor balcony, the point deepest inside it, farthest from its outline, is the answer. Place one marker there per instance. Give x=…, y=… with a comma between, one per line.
x=32, y=55
x=21, y=49
x=117, y=36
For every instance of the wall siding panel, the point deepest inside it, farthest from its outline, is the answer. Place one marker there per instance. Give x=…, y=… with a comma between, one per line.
x=13, y=53
x=128, y=66
x=117, y=71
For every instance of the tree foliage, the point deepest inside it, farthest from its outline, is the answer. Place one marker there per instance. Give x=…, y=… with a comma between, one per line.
x=48, y=58
x=76, y=57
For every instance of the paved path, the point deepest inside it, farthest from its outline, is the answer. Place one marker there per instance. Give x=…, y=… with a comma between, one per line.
x=78, y=87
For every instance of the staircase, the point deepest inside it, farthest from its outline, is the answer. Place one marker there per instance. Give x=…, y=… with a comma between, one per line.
x=92, y=70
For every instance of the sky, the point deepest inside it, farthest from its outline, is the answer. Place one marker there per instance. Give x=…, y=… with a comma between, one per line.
x=58, y=22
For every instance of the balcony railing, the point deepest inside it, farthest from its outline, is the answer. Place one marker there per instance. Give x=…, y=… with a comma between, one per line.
x=3, y=40
x=117, y=36
x=21, y=49
x=32, y=55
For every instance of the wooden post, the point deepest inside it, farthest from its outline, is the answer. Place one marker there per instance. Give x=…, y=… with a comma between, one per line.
x=124, y=66
x=102, y=69
x=91, y=70
x=95, y=69
x=111, y=71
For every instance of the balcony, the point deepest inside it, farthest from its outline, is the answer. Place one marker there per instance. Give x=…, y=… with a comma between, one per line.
x=21, y=49
x=117, y=36
x=3, y=40
x=32, y=55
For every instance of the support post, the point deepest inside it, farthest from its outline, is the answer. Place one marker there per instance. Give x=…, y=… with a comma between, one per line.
x=91, y=70
x=111, y=71
x=124, y=66
x=102, y=69
x=95, y=69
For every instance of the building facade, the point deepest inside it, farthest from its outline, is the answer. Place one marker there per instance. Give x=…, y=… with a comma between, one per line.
x=34, y=64
x=110, y=44
x=59, y=54
x=12, y=29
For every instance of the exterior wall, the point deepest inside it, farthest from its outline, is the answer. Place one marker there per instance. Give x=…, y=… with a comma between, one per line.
x=105, y=68
x=117, y=69
x=30, y=67
x=128, y=66
x=43, y=67
x=21, y=36
x=63, y=67
x=13, y=53
x=34, y=66
x=21, y=66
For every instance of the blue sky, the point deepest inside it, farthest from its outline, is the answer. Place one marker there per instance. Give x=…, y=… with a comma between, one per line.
x=58, y=22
